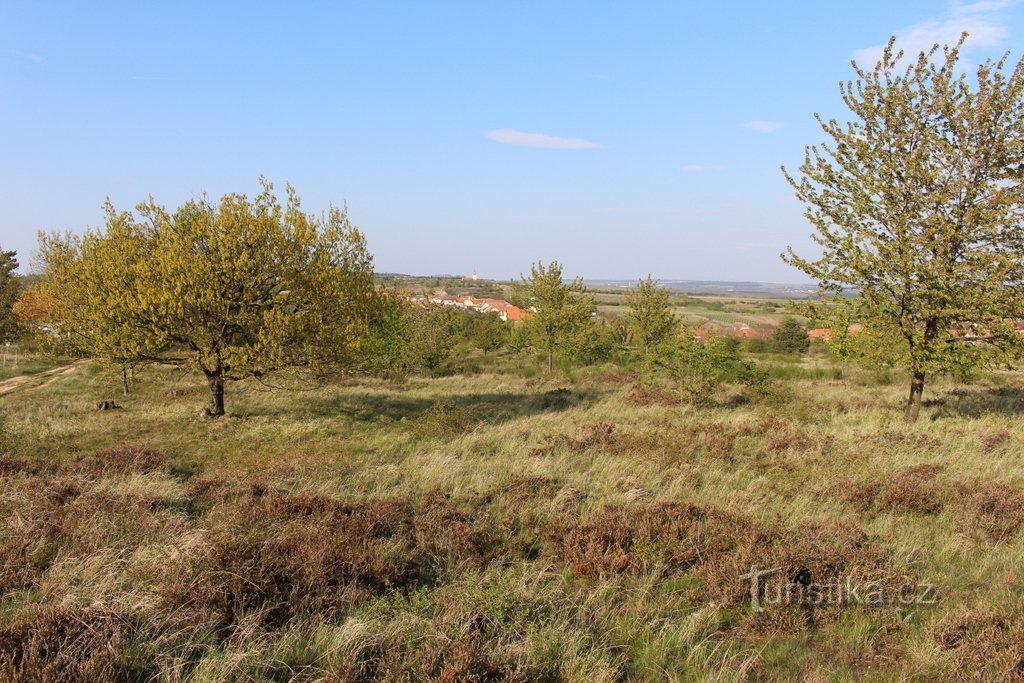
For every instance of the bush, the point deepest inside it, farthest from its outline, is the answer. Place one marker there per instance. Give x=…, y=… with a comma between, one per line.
x=700, y=367
x=443, y=419
x=790, y=337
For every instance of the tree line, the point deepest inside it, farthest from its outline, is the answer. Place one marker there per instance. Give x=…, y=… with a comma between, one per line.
x=916, y=203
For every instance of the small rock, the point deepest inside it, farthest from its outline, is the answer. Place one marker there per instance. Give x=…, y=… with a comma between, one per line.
x=106, y=405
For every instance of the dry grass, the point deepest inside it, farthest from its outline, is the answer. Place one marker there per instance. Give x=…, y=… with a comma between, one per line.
x=494, y=528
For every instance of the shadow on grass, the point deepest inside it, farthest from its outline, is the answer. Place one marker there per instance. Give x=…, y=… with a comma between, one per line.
x=978, y=402
x=483, y=407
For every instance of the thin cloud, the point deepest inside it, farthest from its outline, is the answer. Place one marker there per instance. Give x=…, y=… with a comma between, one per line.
x=507, y=136
x=762, y=126
x=694, y=168
x=982, y=20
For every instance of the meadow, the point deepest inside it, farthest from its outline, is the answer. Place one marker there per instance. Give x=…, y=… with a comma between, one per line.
x=508, y=525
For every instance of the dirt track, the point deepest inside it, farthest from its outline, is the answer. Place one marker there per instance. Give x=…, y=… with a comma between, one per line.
x=36, y=380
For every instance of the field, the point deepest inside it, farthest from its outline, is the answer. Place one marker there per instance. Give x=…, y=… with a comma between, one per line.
x=696, y=309
x=502, y=527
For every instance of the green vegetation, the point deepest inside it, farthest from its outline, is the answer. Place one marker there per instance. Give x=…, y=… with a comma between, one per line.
x=243, y=288
x=916, y=204
x=562, y=318
x=650, y=320
x=10, y=290
x=790, y=337
x=501, y=527
x=664, y=503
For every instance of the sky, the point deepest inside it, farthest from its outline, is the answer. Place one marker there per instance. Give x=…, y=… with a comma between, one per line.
x=620, y=139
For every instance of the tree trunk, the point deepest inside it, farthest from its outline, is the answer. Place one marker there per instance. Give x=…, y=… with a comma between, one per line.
x=216, y=380
x=124, y=380
x=914, y=401
x=551, y=356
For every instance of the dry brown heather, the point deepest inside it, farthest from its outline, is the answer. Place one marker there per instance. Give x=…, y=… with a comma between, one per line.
x=495, y=527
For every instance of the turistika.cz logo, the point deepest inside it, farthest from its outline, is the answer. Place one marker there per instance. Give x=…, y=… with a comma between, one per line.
x=803, y=589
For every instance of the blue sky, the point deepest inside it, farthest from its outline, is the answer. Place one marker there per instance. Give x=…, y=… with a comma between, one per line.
x=618, y=138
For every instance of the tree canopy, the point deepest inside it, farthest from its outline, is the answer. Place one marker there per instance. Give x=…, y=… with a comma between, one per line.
x=240, y=288
x=650, y=319
x=562, y=311
x=790, y=337
x=10, y=289
x=916, y=203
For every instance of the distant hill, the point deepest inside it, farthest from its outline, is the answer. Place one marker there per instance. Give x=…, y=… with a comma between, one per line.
x=704, y=287
x=727, y=287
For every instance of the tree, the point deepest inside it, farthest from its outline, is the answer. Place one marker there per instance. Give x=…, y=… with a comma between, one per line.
x=10, y=289
x=81, y=299
x=562, y=311
x=429, y=338
x=487, y=332
x=243, y=288
x=790, y=337
x=916, y=205
x=650, y=318
x=700, y=366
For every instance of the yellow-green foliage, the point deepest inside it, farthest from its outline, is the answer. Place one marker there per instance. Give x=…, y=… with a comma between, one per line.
x=650, y=320
x=561, y=312
x=238, y=288
x=916, y=205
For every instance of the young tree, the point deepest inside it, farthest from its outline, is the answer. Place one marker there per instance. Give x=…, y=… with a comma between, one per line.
x=10, y=289
x=916, y=203
x=240, y=288
x=650, y=318
x=562, y=311
x=790, y=337
x=487, y=332
x=429, y=338
x=700, y=366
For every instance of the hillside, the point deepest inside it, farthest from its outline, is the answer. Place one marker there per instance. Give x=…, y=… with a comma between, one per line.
x=504, y=526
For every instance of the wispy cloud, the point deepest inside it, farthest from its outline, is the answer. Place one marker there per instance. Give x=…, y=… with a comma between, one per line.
x=21, y=54
x=694, y=168
x=507, y=136
x=762, y=126
x=983, y=20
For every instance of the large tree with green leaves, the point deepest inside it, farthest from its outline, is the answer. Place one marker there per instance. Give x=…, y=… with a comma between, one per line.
x=650, y=319
x=10, y=290
x=917, y=203
x=562, y=311
x=240, y=288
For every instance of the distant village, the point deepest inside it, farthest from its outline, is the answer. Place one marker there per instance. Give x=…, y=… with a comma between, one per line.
x=510, y=313
x=504, y=310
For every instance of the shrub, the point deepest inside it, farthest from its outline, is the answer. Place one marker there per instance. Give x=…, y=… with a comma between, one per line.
x=71, y=644
x=790, y=337
x=444, y=419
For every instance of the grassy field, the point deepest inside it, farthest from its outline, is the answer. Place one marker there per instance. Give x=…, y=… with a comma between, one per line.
x=29, y=365
x=694, y=310
x=501, y=527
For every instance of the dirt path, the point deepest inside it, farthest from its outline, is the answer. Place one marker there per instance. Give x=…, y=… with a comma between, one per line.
x=37, y=380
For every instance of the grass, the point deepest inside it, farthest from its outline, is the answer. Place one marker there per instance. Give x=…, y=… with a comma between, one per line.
x=28, y=365
x=509, y=527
